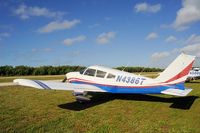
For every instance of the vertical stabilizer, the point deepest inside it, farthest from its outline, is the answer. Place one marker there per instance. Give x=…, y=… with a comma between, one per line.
x=178, y=70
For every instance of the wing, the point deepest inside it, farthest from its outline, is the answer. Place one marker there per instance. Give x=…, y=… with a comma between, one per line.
x=57, y=85
x=176, y=92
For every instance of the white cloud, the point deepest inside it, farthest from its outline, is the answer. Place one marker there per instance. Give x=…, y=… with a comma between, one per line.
x=159, y=55
x=34, y=50
x=105, y=38
x=25, y=12
x=188, y=14
x=70, y=41
x=42, y=50
x=151, y=36
x=4, y=34
x=170, y=39
x=94, y=25
x=108, y=18
x=193, y=49
x=58, y=25
x=193, y=39
x=47, y=49
x=145, y=7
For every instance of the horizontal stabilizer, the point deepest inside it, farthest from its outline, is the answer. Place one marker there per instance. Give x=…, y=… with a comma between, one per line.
x=176, y=92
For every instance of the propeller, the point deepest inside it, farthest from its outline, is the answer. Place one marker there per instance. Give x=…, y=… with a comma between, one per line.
x=65, y=79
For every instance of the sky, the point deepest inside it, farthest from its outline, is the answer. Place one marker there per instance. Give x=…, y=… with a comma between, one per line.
x=112, y=33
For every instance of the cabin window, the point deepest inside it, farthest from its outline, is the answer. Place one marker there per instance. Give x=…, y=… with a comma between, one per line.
x=110, y=76
x=100, y=74
x=90, y=72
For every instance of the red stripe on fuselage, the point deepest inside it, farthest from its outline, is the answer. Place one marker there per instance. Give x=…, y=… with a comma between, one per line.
x=90, y=82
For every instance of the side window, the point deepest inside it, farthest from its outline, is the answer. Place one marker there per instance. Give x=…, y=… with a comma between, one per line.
x=110, y=76
x=90, y=72
x=100, y=74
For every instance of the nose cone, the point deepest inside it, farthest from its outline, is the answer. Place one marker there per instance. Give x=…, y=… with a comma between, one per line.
x=72, y=75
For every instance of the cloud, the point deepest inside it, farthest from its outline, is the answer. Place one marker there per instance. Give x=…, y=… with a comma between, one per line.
x=25, y=12
x=188, y=14
x=151, y=36
x=58, y=25
x=145, y=7
x=71, y=41
x=159, y=55
x=47, y=49
x=193, y=49
x=105, y=38
x=42, y=50
x=3, y=35
x=94, y=25
x=170, y=39
x=193, y=39
x=108, y=18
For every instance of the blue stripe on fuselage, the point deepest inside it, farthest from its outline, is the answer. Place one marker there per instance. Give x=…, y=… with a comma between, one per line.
x=147, y=90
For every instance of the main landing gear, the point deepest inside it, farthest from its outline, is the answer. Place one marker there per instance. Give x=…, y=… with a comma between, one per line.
x=81, y=97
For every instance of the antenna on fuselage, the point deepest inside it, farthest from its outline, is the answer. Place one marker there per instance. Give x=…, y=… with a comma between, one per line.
x=125, y=67
x=141, y=71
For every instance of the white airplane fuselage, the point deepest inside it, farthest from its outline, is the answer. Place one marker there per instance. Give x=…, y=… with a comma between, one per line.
x=116, y=81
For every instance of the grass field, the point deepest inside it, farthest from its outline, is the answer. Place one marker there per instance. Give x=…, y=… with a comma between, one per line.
x=25, y=109
x=43, y=77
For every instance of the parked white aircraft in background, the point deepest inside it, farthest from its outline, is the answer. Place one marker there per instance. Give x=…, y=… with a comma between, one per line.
x=193, y=74
x=103, y=79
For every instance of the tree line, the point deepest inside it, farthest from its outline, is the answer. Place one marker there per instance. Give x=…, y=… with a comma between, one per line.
x=139, y=69
x=42, y=70
x=58, y=70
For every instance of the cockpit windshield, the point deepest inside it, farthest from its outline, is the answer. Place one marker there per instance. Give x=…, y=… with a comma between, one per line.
x=82, y=70
x=90, y=72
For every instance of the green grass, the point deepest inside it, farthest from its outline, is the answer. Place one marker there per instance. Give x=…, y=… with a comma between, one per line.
x=43, y=77
x=25, y=109
x=149, y=74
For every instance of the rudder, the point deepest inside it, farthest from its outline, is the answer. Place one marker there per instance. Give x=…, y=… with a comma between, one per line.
x=177, y=70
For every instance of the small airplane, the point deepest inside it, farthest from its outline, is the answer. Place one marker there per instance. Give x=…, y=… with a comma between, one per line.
x=104, y=79
x=193, y=74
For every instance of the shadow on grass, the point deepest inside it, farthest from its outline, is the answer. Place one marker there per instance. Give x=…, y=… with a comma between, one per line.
x=97, y=98
x=184, y=103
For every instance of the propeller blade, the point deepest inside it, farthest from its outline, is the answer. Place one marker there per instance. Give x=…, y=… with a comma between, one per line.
x=64, y=80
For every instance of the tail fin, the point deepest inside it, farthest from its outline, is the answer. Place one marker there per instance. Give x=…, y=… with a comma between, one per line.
x=178, y=70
